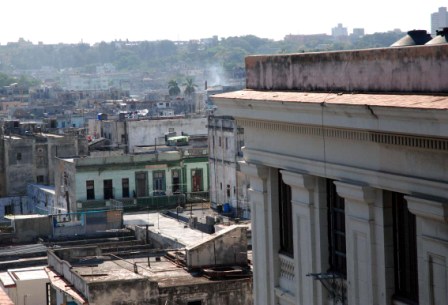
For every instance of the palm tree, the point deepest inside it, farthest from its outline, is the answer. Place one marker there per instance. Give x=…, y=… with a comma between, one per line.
x=173, y=88
x=190, y=89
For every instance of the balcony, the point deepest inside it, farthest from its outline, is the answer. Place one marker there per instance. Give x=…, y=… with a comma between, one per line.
x=287, y=274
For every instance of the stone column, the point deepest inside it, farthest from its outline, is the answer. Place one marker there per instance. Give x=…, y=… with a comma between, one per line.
x=432, y=248
x=360, y=242
x=302, y=197
x=264, y=276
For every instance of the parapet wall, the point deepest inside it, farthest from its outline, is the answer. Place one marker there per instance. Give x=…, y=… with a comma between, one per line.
x=417, y=69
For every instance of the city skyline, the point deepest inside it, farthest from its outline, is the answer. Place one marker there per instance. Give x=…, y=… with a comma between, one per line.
x=52, y=21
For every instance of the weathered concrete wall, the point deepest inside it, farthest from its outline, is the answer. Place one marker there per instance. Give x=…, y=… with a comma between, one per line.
x=29, y=229
x=19, y=165
x=145, y=132
x=19, y=205
x=158, y=240
x=224, y=248
x=407, y=69
x=234, y=292
x=128, y=292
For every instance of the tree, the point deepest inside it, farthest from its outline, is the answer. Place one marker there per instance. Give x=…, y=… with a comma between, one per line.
x=189, y=90
x=173, y=88
x=190, y=87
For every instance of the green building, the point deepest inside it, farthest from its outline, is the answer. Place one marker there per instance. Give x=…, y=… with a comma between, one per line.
x=160, y=179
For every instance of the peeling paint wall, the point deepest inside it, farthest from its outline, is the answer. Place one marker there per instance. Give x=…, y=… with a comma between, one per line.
x=230, y=292
x=406, y=69
x=135, y=291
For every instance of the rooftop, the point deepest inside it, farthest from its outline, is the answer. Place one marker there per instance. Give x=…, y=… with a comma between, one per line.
x=162, y=270
x=415, y=101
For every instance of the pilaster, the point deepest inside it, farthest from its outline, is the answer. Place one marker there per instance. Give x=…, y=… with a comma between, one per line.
x=432, y=248
x=302, y=198
x=262, y=241
x=360, y=242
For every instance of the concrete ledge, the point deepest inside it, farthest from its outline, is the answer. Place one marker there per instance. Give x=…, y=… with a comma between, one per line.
x=408, y=69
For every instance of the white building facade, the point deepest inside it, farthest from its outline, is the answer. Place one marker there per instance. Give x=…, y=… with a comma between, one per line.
x=439, y=20
x=228, y=185
x=351, y=187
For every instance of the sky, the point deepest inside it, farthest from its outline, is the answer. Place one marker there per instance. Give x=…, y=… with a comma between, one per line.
x=91, y=21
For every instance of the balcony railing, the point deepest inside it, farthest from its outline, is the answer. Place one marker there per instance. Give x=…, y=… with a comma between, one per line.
x=287, y=274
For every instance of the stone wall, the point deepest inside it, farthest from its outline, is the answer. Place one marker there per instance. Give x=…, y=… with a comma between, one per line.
x=406, y=69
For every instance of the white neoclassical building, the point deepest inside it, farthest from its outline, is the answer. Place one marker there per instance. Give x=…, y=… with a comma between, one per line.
x=347, y=154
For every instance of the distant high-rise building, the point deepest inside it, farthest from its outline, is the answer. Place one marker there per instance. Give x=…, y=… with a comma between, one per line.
x=358, y=32
x=439, y=20
x=339, y=31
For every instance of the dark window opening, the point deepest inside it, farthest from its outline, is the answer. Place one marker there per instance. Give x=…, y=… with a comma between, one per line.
x=19, y=156
x=125, y=187
x=336, y=230
x=196, y=179
x=141, y=184
x=108, y=189
x=9, y=209
x=405, y=249
x=175, y=181
x=285, y=213
x=228, y=191
x=197, y=302
x=90, y=187
x=40, y=179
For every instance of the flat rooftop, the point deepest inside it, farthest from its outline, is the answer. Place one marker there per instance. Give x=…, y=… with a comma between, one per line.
x=27, y=275
x=165, y=272
x=166, y=226
x=416, y=101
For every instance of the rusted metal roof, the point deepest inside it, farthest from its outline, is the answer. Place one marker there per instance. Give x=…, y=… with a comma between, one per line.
x=439, y=102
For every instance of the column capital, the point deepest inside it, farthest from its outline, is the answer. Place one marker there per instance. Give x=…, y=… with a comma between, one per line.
x=254, y=170
x=430, y=209
x=298, y=180
x=355, y=192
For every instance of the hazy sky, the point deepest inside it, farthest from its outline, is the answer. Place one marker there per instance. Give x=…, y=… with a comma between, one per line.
x=70, y=21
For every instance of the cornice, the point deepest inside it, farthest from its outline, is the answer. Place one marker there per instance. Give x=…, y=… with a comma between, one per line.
x=409, y=141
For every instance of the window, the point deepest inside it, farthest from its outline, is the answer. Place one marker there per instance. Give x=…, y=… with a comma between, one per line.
x=405, y=249
x=219, y=141
x=125, y=187
x=19, y=156
x=285, y=213
x=227, y=143
x=158, y=183
x=197, y=302
x=108, y=189
x=9, y=210
x=40, y=179
x=336, y=230
x=175, y=175
x=141, y=179
x=196, y=180
x=90, y=188
x=228, y=191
